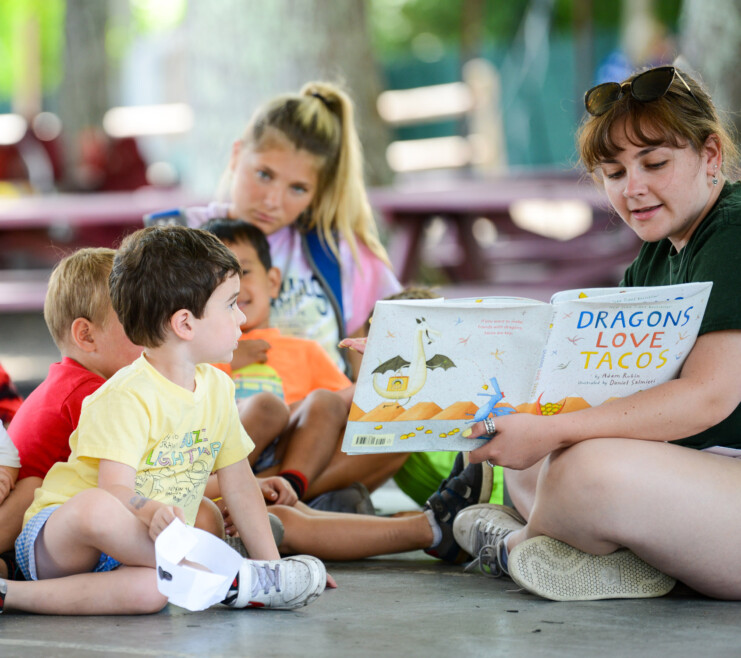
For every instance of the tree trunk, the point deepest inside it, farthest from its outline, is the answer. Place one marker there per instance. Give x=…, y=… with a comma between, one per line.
x=710, y=40
x=83, y=97
x=240, y=54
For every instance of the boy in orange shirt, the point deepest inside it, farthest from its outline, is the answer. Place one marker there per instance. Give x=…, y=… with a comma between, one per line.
x=296, y=369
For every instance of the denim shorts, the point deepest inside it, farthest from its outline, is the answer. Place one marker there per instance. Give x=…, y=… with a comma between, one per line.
x=25, y=554
x=267, y=457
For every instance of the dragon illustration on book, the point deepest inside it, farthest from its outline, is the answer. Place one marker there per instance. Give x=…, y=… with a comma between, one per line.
x=401, y=384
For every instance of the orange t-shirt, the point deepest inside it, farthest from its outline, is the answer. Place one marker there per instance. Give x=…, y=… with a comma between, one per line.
x=295, y=367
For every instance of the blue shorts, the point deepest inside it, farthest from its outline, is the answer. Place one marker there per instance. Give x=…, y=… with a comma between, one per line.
x=25, y=554
x=267, y=457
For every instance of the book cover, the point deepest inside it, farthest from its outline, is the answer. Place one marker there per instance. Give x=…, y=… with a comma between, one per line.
x=432, y=368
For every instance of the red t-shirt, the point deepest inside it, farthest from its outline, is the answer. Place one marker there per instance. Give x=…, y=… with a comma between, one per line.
x=42, y=426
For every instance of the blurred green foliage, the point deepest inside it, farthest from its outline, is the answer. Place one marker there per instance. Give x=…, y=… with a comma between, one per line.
x=157, y=15
x=147, y=16
x=397, y=24
x=15, y=16
x=424, y=29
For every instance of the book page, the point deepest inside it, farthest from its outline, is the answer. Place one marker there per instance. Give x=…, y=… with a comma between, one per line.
x=607, y=345
x=636, y=294
x=429, y=371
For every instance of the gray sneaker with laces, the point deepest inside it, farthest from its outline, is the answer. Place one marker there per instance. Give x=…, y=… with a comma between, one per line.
x=480, y=530
x=354, y=499
x=285, y=584
x=276, y=527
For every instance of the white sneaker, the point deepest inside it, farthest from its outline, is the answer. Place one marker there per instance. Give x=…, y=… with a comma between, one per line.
x=554, y=570
x=291, y=582
x=480, y=530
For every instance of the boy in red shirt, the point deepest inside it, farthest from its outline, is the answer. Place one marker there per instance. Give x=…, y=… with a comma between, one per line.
x=78, y=313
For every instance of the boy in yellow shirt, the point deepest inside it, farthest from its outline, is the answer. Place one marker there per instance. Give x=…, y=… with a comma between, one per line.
x=146, y=443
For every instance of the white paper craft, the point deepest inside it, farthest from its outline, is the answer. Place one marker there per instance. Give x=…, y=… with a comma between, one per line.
x=187, y=586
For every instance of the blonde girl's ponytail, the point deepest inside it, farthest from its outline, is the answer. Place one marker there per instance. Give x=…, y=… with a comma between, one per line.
x=341, y=203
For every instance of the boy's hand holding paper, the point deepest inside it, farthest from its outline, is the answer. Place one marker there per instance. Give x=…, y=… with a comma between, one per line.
x=188, y=586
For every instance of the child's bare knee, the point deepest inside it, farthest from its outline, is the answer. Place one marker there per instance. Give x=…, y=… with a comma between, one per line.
x=91, y=509
x=263, y=406
x=266, y=403
x=209, y=518
x=326, y=404
x=148, y=601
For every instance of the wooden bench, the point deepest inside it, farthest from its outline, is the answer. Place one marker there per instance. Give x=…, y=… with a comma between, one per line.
x=23, y=290
x=475, y=105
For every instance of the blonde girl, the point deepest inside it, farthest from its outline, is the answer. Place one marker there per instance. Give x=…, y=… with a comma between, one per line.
x=297, y=174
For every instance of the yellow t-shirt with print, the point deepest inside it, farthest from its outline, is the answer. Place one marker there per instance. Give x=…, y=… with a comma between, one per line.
x=172, y=437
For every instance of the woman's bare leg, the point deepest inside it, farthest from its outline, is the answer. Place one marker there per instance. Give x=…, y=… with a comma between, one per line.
x=676, y=508
x=521, y=487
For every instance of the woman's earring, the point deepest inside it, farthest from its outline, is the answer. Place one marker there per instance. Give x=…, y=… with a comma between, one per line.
x=715, y=176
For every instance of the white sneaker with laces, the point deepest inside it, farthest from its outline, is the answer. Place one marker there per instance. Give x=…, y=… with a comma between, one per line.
x=285, y=584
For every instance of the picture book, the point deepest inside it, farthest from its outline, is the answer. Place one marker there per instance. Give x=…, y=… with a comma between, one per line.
x=433, y=367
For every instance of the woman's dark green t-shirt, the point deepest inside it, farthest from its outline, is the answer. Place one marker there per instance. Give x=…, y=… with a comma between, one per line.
x=713, y=253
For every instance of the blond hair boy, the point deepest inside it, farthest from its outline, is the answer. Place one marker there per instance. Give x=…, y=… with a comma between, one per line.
x=93, y=345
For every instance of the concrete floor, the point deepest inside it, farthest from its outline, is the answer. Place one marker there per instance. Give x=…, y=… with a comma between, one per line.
x=407, y=605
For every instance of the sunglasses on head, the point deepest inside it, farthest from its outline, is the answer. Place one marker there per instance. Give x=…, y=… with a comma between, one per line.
x=646, y=87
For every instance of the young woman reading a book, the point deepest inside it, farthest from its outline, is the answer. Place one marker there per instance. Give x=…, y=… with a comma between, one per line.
x=622, y=500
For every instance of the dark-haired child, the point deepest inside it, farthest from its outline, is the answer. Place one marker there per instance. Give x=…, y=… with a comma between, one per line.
x=146, y=443
x=296, y=369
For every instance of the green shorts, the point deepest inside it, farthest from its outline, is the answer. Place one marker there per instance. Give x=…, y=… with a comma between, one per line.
x=422, y=473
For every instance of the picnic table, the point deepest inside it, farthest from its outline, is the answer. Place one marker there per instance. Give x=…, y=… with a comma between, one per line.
x=37, y=231
x=592, y=258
